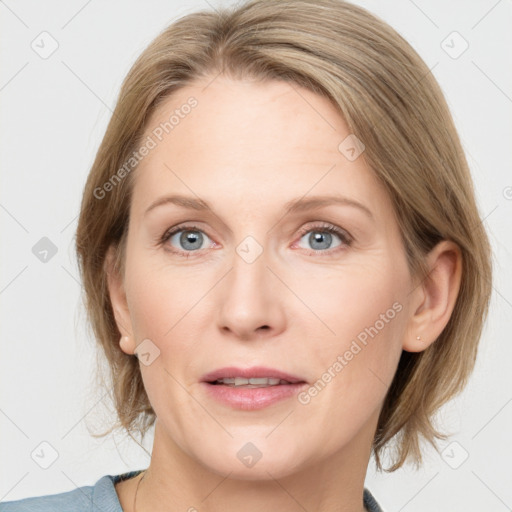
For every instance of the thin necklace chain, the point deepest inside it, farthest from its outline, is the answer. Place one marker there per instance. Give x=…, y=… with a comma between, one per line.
x=137, y=490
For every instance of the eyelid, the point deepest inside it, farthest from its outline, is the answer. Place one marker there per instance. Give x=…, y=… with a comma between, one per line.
x=331, y=228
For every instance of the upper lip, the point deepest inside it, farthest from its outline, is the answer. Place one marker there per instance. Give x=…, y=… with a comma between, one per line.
x=254, y=371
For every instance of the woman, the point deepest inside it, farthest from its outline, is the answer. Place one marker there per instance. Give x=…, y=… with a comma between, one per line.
x=282, y=258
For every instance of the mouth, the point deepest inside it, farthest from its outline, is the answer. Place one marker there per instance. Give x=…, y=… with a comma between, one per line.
x=251, y=388
x=256, y=376
x=255, y=382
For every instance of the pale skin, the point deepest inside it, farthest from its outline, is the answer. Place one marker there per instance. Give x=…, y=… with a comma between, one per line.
x=247, y=149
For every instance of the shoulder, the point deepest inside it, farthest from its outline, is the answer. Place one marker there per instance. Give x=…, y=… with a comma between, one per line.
x=100, y=497
x=77, y=500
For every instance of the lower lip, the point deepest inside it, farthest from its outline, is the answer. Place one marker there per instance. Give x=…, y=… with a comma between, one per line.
x=251, y=399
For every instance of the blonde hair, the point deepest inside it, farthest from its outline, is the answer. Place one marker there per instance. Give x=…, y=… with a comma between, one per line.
x=389, y=99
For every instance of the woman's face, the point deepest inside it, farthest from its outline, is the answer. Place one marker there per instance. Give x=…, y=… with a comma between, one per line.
x=250, y=283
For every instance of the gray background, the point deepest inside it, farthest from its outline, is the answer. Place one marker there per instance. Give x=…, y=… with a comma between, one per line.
x=54, y=110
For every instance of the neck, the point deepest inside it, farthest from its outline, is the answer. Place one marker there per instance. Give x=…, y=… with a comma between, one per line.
x=176, y=481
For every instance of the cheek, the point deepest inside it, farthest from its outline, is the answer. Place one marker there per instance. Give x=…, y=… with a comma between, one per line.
x=346, y=301
x=150, y=309
x=159, y=303
x=157, y=298
x=360, y=316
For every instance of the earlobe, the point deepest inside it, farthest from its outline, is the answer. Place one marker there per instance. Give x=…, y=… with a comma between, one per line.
x=435, y=298
x=127, y=345
x=119, y=303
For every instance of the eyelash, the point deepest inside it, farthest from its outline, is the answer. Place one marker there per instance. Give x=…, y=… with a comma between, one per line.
x=345, y=238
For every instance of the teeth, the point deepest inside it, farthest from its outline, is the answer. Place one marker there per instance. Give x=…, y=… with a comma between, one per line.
x=252, y=382
x=264, y=380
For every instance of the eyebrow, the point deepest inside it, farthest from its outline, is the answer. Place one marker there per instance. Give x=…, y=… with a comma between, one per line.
x=295, y=205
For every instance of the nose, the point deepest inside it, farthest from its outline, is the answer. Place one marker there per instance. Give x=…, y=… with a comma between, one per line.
x=251, y=300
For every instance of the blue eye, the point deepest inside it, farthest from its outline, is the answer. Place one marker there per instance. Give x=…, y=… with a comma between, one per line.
x=190, y=238
x=320, y=238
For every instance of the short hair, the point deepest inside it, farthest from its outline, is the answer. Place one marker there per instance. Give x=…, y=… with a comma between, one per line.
x=389, y=100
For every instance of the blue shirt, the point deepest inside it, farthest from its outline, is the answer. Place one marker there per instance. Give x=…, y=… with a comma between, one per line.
x=102, y=497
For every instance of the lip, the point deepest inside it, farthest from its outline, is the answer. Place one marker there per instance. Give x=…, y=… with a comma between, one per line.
x=255, y=371
x=250, y=399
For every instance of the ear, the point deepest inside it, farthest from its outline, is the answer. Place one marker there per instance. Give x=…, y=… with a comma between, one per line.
x=117, y=295
x=434, y=298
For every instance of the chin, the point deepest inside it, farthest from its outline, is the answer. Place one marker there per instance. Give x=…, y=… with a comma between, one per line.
x=249, y=460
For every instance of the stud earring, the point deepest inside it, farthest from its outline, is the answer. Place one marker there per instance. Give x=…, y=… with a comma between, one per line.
x=418, y=337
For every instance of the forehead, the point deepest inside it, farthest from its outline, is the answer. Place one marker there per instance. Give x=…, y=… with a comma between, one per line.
x=246, y=142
